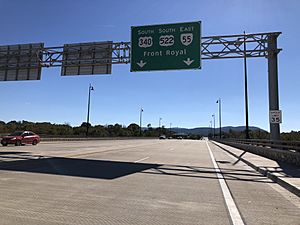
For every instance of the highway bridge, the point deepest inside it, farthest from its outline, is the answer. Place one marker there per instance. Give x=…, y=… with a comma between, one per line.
x=145, y=182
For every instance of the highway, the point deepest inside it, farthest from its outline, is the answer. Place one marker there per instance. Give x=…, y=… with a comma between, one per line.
x=137, y=182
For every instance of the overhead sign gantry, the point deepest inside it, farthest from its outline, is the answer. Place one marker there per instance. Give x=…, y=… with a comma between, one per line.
x=24, y=62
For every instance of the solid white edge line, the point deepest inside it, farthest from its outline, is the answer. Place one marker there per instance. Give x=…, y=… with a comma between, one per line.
x=231, y=206
x=141, y=159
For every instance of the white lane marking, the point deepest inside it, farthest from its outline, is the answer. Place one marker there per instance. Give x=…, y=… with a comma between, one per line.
x=171, y=149
x=233, y=210
x=141, y=159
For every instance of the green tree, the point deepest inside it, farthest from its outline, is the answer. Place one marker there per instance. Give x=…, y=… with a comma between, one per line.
x=134, y=129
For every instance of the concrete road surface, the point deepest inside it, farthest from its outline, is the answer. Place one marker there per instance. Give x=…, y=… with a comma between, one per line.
x=136, y=182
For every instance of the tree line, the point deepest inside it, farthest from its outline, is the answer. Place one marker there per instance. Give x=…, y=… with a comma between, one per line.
x=116, y=130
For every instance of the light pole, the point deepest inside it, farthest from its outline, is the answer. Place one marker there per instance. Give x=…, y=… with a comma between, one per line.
x=159, y=125
x=246, y=88
x=213, y=115
x=141, y=112
x=211, y=132
x=88, y=111
x=219, y=101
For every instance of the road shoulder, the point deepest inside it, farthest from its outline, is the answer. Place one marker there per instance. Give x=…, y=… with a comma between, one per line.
x=287, y=176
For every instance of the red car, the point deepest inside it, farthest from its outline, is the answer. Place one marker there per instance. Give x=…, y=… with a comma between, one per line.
x=21, y=137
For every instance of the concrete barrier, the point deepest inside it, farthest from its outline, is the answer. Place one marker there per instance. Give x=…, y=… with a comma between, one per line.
x=271, y=153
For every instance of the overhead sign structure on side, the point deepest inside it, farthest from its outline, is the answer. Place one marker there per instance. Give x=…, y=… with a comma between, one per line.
x=166, y=47
x=21, y=62
x=275, y=116
x=87, y=58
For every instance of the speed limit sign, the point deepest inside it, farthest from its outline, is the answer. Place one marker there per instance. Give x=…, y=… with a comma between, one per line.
x=275, y=116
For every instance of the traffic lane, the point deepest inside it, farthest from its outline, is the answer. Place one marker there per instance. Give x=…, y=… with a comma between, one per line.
x=256, y=196
x=82, y=163
x=126, y=153
x=16, y=153
x=66, y=149
x=183, y=158
x=66, y=146
x=184, y=183
x=178, y=158
x=159, y=151
x=185, y=165
x=75, y=150
x=146, y=197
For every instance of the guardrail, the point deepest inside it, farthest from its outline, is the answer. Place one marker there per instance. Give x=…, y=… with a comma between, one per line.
x=293, y=146
x=285, y=151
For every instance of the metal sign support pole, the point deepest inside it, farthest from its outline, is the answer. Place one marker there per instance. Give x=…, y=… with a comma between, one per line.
x=273, y=82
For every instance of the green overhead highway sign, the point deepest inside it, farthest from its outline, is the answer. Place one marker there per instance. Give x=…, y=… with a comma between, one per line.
x=166, y=47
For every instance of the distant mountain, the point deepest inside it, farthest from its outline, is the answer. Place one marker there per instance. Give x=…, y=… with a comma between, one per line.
x=204, y=131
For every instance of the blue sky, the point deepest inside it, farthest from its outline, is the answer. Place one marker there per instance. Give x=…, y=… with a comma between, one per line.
x=183, y=98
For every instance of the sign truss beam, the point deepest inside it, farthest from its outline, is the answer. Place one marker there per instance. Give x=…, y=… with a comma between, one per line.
x=53, y=56
x=212, y=47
